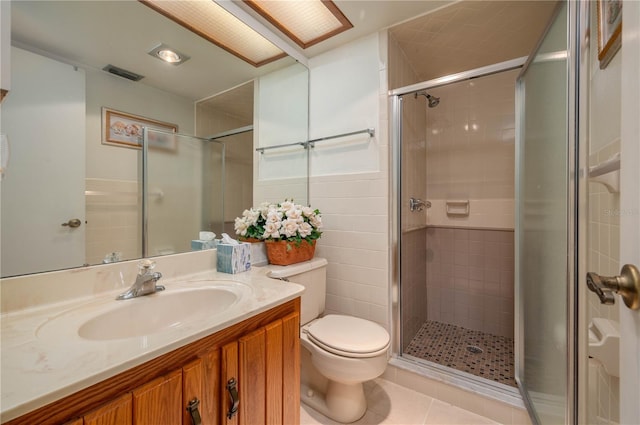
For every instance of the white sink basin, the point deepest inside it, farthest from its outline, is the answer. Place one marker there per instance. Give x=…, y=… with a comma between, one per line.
x=157, y=312
x=146, y=315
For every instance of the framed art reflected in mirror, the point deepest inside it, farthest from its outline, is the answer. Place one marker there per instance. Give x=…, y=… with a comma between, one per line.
x=609, y=30
x=123, y=129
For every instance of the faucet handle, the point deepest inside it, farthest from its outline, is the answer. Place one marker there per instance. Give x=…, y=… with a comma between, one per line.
x=145, y=266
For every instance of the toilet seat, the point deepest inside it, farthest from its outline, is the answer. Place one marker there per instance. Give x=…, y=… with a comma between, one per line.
x=348, y=336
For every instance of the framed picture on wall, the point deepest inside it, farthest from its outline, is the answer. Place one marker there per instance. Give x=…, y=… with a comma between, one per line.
x=125, y=130
x=609, y=30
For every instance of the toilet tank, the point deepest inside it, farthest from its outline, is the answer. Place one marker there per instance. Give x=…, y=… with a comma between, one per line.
x=312, y=275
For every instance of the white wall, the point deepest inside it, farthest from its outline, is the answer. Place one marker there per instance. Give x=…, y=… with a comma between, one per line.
x=280, y=111
x=630, y=202
x=344, y=97
x=349, y=183
x=106, y=90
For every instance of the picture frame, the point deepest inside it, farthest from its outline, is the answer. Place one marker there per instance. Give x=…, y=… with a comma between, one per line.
x=609, y=30
x=125, y=130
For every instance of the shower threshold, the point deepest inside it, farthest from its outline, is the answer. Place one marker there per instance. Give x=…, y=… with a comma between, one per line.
x=481, y=354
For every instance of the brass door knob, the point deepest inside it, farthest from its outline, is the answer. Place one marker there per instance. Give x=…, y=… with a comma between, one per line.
x=74, y=222
x=627, y=285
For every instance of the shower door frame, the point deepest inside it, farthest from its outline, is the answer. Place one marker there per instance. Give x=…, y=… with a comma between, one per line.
x=431, y=369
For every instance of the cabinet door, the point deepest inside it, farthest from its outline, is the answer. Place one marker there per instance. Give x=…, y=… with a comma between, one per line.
x=192, y=392
x=252, y=383
x=266, y=366
x=228, y=375
x=274, y=373
x=159, y=402
x=117, y=412
x=291, y=369
x=212, y=397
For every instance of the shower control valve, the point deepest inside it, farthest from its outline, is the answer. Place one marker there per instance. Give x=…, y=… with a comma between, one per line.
x=418, y=204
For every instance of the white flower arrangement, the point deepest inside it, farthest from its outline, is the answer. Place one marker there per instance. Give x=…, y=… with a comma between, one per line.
x=280, y=222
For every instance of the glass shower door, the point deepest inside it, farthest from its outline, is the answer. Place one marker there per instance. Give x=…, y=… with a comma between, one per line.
x=183, y=185
x=545, y=222
x=413, y=218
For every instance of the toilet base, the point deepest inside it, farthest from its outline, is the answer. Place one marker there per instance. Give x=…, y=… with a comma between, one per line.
x=343, y=403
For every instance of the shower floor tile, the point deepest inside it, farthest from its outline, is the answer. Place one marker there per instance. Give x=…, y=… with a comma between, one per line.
x=481, y=354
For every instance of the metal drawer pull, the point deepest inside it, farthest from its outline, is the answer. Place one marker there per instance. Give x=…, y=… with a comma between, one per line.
x=192, y=408
x=235, y=401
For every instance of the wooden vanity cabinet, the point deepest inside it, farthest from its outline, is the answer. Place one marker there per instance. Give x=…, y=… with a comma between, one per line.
x=159, y=401
x=265, y=364
x=261, y=355
x=116, y=412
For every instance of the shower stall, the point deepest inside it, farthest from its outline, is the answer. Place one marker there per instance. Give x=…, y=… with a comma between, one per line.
x=488, y=224
x=455, y=173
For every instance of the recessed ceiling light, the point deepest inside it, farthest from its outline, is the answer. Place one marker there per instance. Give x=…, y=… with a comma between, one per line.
x=168, y=54
x=215, y=24
x=306, y=22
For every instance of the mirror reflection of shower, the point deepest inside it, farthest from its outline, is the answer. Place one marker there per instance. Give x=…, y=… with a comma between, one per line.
x=433, y=101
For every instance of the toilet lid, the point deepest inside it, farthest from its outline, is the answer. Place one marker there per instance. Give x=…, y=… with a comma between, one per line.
x=348, y=335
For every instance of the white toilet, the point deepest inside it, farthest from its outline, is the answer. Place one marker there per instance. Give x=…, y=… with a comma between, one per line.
x=339, y=353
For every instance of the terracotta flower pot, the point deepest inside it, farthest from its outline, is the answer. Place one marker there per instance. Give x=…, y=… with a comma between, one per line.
x=283, y=253
x=250, y=240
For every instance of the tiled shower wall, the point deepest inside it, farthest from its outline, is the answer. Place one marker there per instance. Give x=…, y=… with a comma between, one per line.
x=461, y=149
x=470, y=278
x=470, y=156
x=414, y=312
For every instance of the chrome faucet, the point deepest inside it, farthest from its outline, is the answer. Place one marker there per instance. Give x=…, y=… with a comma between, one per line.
x=145, y=283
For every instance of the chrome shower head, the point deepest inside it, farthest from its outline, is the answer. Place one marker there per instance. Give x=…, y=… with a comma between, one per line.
x=432, y=100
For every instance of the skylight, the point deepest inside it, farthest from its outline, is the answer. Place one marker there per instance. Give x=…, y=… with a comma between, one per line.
x=306, y=22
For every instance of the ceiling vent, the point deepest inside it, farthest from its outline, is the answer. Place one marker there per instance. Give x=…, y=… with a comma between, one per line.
x=123, y=73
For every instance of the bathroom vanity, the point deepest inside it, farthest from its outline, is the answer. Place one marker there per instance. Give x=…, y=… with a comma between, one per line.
x=87, y=361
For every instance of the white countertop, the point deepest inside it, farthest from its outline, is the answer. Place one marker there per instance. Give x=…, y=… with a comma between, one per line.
x=44, y=359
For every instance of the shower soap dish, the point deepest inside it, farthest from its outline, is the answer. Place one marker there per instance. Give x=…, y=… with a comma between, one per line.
x=458, y=207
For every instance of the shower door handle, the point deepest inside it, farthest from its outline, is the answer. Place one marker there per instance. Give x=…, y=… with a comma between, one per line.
x=418, y=204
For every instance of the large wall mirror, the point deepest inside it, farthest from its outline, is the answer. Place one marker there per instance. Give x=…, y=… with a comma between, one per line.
x=71, y=129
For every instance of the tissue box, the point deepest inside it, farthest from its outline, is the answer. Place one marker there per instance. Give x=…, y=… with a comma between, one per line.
x=198, y=245
x=259, y=254
x=234, y=258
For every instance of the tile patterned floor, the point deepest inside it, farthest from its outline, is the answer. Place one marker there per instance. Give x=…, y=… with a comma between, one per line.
x=457, y=347
x=391, y=404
